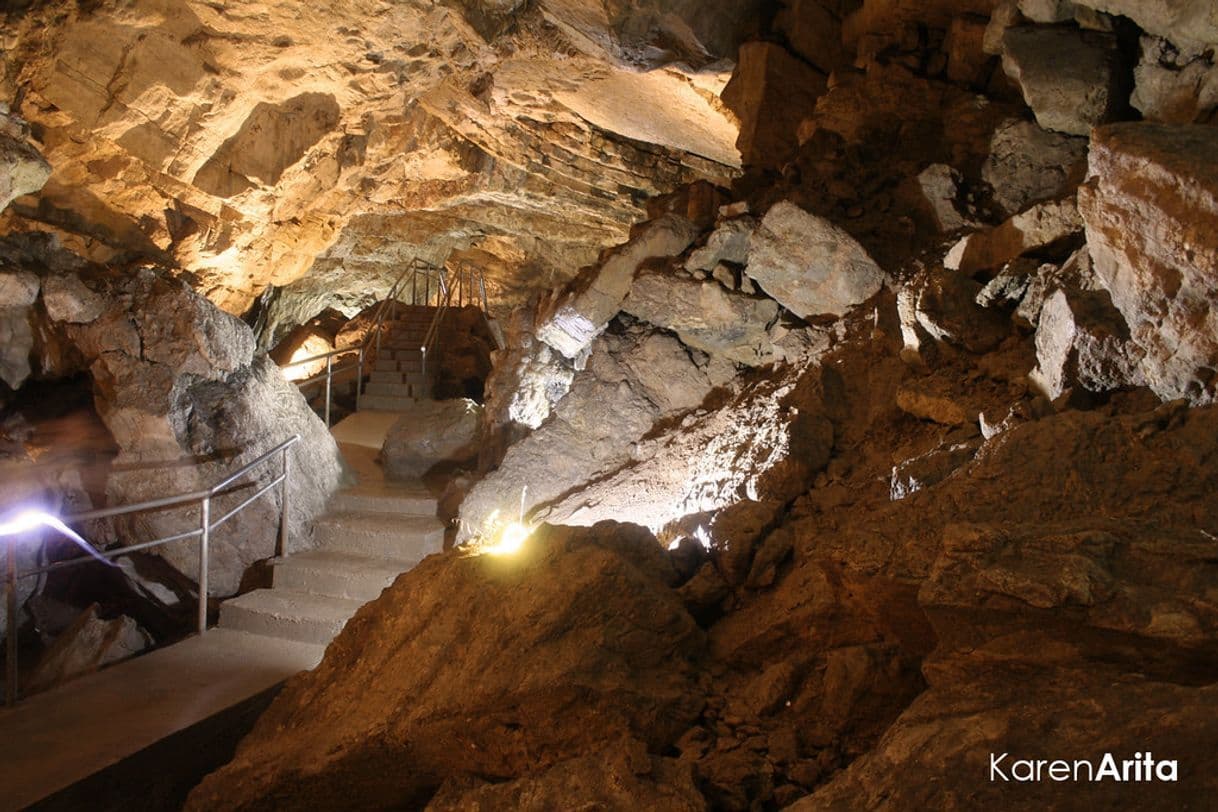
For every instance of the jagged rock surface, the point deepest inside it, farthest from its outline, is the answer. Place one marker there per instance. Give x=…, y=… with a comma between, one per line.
x=1151, y=213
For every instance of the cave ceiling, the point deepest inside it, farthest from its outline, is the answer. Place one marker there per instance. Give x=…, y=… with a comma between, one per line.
x=316, y=148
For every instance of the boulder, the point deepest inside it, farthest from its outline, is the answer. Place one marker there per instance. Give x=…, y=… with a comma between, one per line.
x=1045, y=226
x=727, y=243
x=1028, y=164
x=936, y=191
x=1072, y=79
x=587, y=304
x=1151, y=213
x=432, y=434
x=1173, y=86
x=1190, y=24
x=23, y=170
x=706, y=316
x=809, y=265
x=588, y=646
x=771, y=92
x=68, y=299
x=631, y=380
x=87, y=645
x=1081, y=340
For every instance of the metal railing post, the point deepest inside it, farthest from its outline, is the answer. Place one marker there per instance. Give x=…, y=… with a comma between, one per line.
x=10, y=582
x=329, y=385
x=359, y=379
x=204, y=539
x=283, y=516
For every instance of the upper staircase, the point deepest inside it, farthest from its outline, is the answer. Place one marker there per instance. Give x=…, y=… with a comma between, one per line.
x=399, y=374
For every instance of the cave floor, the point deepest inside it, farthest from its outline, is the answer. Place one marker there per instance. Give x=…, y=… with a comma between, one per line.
x=56, y=738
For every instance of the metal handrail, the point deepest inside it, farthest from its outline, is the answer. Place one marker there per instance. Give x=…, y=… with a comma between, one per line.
x=416, y=269
x=202, y=532
x=470, y=288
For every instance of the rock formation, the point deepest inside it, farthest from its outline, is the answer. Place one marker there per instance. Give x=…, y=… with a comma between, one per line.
x=861, y=407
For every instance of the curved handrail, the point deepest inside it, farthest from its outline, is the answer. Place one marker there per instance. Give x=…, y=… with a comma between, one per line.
x=202, y=532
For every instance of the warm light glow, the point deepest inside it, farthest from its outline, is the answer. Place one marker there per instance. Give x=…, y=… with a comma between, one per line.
x=509, y=541
x=28, y=520
x=311, y=347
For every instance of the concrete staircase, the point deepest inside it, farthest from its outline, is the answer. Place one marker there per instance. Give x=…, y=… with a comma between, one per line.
x=397, y=374
x=371, y=534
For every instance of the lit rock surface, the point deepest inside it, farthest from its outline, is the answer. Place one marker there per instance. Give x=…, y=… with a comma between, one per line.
x=1151, y=213
x=809, y=265
x=262, y=147
x=1081, y=340
x=1043, y=226
x=706, y=316
x=586, y=306
x=1174, y=86
x=1071, y=79
x=23, y=170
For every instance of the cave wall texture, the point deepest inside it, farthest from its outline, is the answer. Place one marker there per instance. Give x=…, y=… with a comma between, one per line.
x=860, y=378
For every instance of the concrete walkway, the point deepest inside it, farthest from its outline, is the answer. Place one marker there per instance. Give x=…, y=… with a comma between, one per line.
x=373, y=531
x=56, y=738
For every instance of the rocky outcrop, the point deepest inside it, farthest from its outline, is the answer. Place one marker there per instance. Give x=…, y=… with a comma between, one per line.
x=809, y=265
x=182, y=393
x=596, y=296
x=1071, y=79
x=1028, y=164
x=1151, y=212
x=590, y=647
x=279, y=147
x=23, y=170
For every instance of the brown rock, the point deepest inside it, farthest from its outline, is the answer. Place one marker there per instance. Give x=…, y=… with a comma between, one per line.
x=1151, y=214
x=1072, y=79
x=770, y=92
x=599, y=650
x=1042, y=227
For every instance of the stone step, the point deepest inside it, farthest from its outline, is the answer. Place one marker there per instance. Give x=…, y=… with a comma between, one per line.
x=406, y=539
x=382, y=376
x=380, y=498
x=392, y=365
x=288, y=615
x=336, y=574
x=409, y=389
x=403, y=355
x=387, y=403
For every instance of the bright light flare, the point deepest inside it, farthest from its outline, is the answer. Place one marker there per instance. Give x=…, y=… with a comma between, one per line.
x=509, y=541
x=28, y=520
